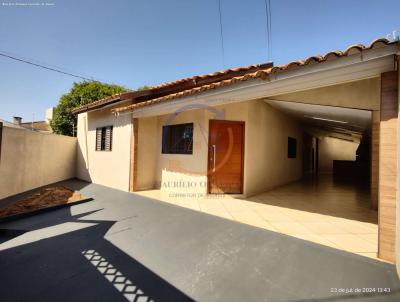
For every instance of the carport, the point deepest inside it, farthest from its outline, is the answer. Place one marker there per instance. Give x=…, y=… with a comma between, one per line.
x=349, y=136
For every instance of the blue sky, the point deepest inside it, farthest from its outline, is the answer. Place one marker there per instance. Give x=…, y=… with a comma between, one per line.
x=134, y=43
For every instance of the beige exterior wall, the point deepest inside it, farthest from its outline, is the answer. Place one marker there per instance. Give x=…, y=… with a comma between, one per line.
x=82, y=156
x=108, y=168
x=266, y=162
x=266, y=134
x=334, y=149
x=31, y=159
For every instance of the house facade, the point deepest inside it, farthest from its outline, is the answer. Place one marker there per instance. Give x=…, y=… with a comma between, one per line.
x=247, y=130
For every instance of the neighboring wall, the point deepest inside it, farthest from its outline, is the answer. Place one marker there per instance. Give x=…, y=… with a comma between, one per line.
x=31, y=159
x=108, y=168
x=265, y=158
x=334, y=149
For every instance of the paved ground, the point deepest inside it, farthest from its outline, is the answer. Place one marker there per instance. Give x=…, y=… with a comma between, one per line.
x=126, y=247
x=334, y=214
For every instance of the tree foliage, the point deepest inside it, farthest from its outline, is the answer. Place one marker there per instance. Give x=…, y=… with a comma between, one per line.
x=144, y=87
x=64, y=122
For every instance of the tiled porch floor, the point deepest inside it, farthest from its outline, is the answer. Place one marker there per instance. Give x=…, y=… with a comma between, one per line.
x=323, y=212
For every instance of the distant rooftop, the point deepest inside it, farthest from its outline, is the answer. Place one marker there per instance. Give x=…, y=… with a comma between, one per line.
x=41, y=126
x=10, y=125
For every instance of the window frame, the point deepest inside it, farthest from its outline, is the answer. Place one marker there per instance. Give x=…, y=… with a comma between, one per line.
x=101, y=138
x=168, y=136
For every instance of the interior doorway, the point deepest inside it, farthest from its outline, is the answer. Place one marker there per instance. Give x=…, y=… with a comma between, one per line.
x=310, y=155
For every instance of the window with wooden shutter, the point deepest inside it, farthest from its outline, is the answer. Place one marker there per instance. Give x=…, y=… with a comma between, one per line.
x=108, y=138
x=98, y=139
x=104, y=138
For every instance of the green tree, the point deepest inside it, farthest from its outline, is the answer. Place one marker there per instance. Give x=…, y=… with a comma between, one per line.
x=64, y=122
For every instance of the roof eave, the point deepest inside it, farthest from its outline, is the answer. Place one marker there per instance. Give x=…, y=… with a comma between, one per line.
x=126, y=96
x=352, y=55
x=368, y=64
x=94, y=107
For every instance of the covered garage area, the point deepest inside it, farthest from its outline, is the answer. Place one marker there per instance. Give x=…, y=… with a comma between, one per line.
x=349, y=157
x=332, y=204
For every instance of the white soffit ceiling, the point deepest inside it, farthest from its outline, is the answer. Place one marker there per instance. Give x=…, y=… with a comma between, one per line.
x=325, y=116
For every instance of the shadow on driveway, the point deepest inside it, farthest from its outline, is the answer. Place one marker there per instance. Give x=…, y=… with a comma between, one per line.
x=125, y=247
x=79, y=266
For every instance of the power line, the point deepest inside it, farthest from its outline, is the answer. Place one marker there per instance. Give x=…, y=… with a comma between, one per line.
x=221, y=34
x=268, y=27
x=44, y=67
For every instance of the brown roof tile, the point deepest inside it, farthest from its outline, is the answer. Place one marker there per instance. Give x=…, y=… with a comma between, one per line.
x=102, y=101
x=200, y=83
x=171, y=87
x=262, y=74
x=216, y=74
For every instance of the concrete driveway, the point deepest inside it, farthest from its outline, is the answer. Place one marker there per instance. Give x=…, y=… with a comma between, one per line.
x=323, y=211
x=126, y=247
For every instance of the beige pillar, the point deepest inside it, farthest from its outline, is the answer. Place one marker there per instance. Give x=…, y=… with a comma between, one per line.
x=134, y=155
x=388, y=165
x=375, y=122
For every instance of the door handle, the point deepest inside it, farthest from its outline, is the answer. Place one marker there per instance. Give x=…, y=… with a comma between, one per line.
x=214, y=147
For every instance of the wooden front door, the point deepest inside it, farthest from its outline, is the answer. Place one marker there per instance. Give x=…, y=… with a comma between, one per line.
x=225, y=157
